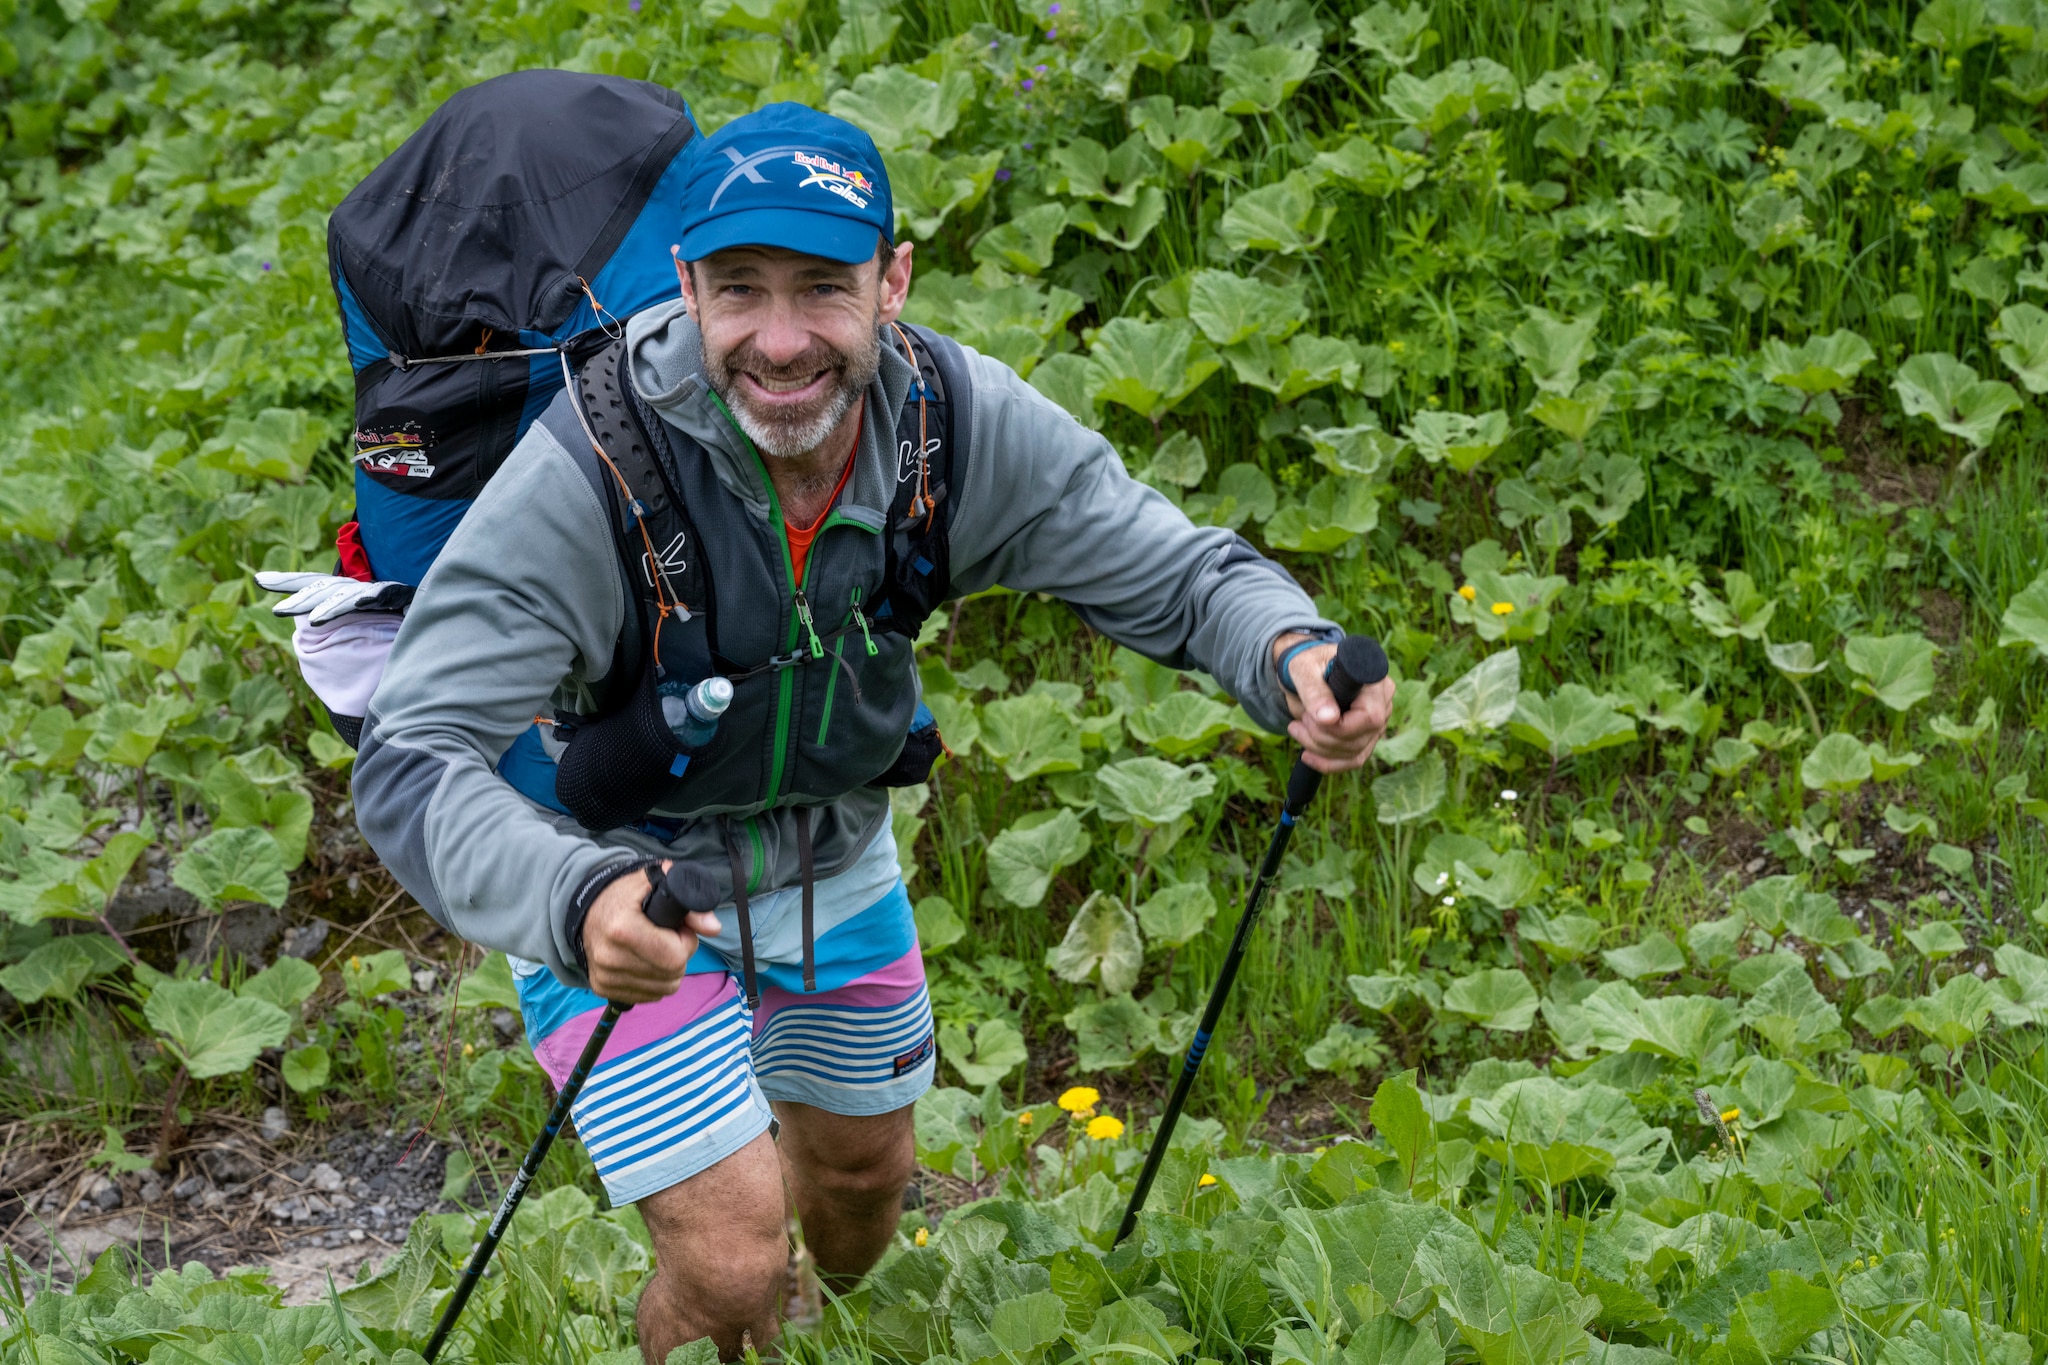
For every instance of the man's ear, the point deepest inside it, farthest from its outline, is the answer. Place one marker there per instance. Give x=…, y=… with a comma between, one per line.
x=686, y=273
x=896, y=283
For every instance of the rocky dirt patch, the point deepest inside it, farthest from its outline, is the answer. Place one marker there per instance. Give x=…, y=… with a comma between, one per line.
x=310, y=1208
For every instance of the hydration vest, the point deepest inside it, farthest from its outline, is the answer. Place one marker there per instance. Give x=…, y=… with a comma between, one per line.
x=848, y=668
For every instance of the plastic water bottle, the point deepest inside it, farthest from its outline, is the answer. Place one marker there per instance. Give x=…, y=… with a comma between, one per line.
x=693, y=714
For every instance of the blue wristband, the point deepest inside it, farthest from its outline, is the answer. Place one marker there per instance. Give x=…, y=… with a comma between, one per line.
x=1321, y=637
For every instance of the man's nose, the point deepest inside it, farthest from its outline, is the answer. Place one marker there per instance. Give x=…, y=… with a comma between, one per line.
x=783, y=336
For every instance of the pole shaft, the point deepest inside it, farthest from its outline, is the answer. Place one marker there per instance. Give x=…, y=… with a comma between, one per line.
x=528, y=1169
x=1276, y=850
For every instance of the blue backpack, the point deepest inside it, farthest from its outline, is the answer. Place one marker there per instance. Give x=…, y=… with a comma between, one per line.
x=519, y=227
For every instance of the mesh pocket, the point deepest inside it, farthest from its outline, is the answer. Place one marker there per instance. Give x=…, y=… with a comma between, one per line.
x=617, y=768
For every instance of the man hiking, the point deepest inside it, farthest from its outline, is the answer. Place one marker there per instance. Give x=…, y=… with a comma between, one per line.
x=802, y=437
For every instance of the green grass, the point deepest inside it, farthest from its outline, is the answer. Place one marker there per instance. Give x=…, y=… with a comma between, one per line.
x=163, y=285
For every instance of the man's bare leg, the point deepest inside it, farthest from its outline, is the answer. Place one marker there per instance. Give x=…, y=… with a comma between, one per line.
x=846, y=1176
x=720, y=1252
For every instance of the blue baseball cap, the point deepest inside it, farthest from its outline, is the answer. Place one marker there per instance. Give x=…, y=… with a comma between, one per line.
x=788, y=176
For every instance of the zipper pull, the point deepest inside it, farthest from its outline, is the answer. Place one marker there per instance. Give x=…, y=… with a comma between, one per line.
x=862, y=617
x=803, y=614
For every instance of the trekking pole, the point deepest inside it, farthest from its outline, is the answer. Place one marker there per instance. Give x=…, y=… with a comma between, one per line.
x=686, y=890
x=1359, y=663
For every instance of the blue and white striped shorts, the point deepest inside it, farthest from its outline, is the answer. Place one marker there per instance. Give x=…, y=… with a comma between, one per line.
x=686, y=1081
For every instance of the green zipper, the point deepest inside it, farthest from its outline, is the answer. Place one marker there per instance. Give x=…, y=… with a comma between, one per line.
x=831, y=690
x=785, y=680
x=800, y=616
x=838, y=651
x=862, y=617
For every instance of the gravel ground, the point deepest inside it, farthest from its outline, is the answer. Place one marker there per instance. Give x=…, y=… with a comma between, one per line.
x=306, y=1206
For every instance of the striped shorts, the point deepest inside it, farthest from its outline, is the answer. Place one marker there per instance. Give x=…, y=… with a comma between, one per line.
x=686, y=1081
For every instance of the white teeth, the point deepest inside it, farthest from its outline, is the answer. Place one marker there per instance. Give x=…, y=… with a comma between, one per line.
x=782, y=385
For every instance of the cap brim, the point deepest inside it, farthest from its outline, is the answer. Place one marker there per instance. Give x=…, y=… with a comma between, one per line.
x=814, y=234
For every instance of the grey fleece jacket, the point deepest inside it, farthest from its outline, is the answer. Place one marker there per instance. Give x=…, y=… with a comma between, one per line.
x=523, y=607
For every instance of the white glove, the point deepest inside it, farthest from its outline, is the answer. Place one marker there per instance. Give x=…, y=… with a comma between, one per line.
x=322, y=597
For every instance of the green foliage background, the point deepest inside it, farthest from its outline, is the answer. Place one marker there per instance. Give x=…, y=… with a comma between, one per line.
x=1659, y=380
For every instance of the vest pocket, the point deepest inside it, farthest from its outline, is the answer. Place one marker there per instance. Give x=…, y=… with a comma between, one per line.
x=832, y=689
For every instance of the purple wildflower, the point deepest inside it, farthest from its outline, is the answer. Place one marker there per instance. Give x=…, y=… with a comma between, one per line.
x=633, y=5
x=1051, y=34
x=1027, y=146
x=266, y=267
x=1028, y=82
x=1055, y=9
x=1040, y=69
x=993, y=44
x=1003, y=173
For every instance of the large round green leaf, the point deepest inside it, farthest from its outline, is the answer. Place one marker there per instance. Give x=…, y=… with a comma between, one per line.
x=1497, y=998
x=1177, y=913
x=233, y=865
x=1948, y=393
x=1152, y=791
x=1023, y=858
x=1896, y=669
x=1839, y=764
x=2026, y=617
x=212, y=1032
x=1102, y=941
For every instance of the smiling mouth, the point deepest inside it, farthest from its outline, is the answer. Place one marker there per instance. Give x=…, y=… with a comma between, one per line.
x=776, y=390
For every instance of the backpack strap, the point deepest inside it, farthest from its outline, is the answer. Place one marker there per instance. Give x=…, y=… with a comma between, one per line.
x=651, y=529
x=931, y=468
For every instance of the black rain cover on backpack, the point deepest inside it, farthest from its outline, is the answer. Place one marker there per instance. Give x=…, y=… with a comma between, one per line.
x=530, y=212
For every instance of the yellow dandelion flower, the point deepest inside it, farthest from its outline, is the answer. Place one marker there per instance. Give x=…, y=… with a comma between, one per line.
x=1104, y=1128
x=1206, y=1181
x=1078, y=1098
x=1024, y=1119
x=1730, y=1115
x=1503, y=609
x=1468, y=592
x=355, y=964
x=469, y=1049
x=922, y=1237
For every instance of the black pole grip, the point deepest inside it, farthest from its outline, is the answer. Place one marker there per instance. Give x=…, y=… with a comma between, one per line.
x=1359, y=663
x=686, y=890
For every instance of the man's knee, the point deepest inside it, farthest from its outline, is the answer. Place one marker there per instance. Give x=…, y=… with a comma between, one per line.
x=852, y=1158
x=880, y=1175
x=721, y=1248
x=728, y=1287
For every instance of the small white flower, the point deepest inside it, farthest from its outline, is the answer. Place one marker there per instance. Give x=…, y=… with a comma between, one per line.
x=1450, y=900
x=1510, y=794
x=1442, y=877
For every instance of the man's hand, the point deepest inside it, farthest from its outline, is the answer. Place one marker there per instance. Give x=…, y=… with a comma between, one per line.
x=1330, y=742
x=631, y=960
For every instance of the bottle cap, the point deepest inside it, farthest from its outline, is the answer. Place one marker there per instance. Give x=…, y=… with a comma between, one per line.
x=714, y=695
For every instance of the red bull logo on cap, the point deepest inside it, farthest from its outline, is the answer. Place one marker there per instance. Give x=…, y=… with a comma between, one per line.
x=851, y=185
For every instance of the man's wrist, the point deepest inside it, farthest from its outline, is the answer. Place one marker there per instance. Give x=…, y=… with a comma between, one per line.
x=586, y=896
x=1290, y=643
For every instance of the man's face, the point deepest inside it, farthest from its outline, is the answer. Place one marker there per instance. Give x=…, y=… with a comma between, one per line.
x=790, y=340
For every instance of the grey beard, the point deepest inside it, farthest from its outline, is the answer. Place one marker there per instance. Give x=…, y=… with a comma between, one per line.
x=796, y=435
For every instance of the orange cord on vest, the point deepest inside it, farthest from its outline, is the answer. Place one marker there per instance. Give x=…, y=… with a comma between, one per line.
x=924, y=464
